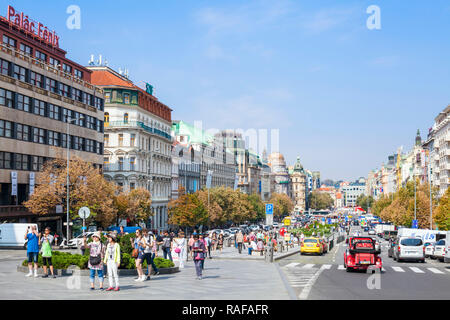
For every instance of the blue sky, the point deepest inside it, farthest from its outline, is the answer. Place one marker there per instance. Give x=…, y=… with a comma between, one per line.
x=343, y=97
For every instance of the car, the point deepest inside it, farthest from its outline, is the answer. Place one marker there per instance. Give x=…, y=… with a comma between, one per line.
x=371, y=232
x=366, y=229
x=409, y=248
x=78, y=240
x=429, y=249
x=439, y=250
x=362, y=254
x=311, y=245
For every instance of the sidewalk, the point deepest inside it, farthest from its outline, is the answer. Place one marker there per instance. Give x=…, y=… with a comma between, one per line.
x=231, y=253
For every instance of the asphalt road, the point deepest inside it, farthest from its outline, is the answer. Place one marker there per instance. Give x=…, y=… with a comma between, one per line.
x=324, y=277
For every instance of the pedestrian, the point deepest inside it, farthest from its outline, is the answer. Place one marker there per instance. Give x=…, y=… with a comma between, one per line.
x=198, y=249
x=208, y=244
x=239, y=240
x=139, y=244
x=149, y=253
x=252, y=247
x=32, y=249
x=220, y=242
x=96, y=255
x=190, y=244
x=201, y=237
x=112, y=261
x=122, y=232
x=260, y=246
x=180, y=248
x=166, y=242
x=46, y=247
x=214, y=241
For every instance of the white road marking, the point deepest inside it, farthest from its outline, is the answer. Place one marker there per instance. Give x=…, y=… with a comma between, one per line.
x=383, y=269
x=293, y=264
x=326, y=266
x=305, y=292
x=341, y=267
x=416, y=270
x=308, y=266
x=398, y=269
x=434, y=270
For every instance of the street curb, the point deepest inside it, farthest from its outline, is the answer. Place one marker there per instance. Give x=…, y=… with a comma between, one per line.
x=286, y=255
x=122, y=272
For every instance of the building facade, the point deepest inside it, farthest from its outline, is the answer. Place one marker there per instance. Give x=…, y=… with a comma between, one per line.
x=137, y=140
x=299, y=187
x=47, y=103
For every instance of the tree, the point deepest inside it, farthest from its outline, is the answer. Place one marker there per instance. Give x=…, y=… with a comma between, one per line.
x=282, y=204
x=187, y=210
x=365, y=202
x=215, y=213
x=320, y=200
x=257, y=206
x=442, y=213
x=87, y=187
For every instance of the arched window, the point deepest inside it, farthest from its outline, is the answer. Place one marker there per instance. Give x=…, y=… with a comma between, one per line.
x=125, y=118
x=106, y=122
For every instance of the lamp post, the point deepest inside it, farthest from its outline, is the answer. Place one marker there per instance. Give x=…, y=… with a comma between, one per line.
x=68, y=121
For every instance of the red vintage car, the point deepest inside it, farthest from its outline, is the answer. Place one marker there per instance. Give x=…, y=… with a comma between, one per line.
x=361, y=254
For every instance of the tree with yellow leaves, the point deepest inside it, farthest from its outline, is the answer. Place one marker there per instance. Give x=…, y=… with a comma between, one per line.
x=282, y=204
x=442, y=213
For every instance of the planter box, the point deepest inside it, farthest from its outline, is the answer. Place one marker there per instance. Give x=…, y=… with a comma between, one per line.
x=86, y=272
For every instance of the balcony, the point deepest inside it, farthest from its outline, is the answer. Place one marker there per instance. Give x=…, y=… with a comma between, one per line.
x=120, y=167
x=137, y=124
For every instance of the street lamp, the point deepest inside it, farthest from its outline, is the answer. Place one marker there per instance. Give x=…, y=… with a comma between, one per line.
x=68, y=121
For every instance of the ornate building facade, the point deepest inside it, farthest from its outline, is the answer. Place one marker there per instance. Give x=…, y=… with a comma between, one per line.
x=299, y=187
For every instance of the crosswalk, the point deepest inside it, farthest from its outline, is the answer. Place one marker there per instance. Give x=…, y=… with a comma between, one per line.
x=310, y=268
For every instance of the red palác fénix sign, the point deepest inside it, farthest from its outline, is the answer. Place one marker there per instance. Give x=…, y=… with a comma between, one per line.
x=38, y=29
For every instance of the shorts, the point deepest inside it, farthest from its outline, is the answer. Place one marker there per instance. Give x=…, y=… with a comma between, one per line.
x=140, y=256
x=47, y=261
x=33, y=256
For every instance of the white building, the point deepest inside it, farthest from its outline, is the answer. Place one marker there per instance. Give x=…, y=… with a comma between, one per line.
x=137, y=140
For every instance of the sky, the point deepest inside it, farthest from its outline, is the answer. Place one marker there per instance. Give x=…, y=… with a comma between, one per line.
x=343, y=97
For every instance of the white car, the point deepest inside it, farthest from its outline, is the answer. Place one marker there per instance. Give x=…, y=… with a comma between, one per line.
x=429, y=249
x=78, y=241
x=439, y=250
x=371, y=232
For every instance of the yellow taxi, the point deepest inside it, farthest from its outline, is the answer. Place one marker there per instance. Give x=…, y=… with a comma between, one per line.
x=311, y=245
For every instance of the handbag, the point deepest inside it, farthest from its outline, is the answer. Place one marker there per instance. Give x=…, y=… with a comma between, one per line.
x=96, y=260
x=135, y=253
x=177, y=250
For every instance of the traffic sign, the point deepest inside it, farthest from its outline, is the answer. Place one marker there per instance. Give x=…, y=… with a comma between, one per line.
x=287, y=221
x=269, y=208
x=415, y=224
x=84, y=212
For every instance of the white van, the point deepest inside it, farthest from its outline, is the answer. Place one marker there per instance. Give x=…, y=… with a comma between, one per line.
x=12, y=234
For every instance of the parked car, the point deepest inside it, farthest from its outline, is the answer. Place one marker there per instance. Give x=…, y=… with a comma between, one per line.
x=371, y=232
x=439, y=250
x=311, y=245
x=429, y=249
x=409, y=248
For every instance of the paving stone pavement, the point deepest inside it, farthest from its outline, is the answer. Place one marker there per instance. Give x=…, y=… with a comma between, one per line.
x=223, y=279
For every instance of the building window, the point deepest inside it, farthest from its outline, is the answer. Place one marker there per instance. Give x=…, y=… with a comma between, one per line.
x=37, y=163
x=120, y=163
x=86, y=98
x=23, y=103
x=6, y=98
x=132, y=163
x=40, y=56
x=66, y=68
x=51, y=85
x=54, y=62
x=5, y=160
x=5, y=129
x=4, y=67
x=132, y=185
x=39, y=135
x=53, y=138
x=107, y=97
x=53, y=112
x=98, y=103
x=106, y=139
x=78, y=74
x=36, y=79
x=39, y=107
x=22, y=132
x=120, y=140
x=63, y=140
x=125, y=118
x=26, y=49
x=76, y=95
x=64, y=90
x=126, y=98
x=19, y=73
x=21, y=162
x=10, y=41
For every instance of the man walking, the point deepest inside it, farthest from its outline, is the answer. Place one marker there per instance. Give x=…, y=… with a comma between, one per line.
x=239, y=240
x=32, y=249
x=167, y=245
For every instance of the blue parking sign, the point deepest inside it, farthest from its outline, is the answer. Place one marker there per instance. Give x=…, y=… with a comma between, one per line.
x=415, y=224
x=269, y=208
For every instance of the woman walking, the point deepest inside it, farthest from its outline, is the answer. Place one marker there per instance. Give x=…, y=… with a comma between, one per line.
x=139, y=245
x=112, y=261
x=220, y=242
x=96, y=255
x=214, y=241
x=180, y=248
x=198, y=250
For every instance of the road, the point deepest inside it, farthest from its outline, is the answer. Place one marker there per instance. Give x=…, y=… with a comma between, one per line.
x=324, y=277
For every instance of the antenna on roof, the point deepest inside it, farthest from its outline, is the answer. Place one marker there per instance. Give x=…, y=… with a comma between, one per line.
x=91, y=61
